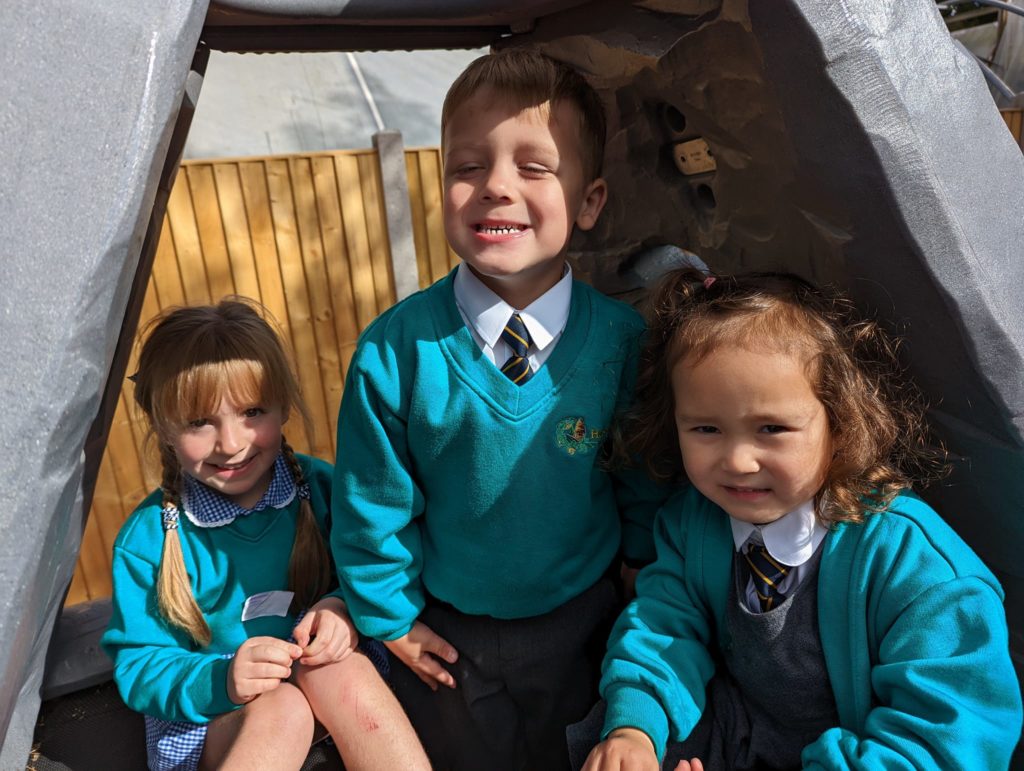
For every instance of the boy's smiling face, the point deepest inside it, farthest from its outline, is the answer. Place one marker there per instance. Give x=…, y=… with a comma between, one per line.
x=514, y=187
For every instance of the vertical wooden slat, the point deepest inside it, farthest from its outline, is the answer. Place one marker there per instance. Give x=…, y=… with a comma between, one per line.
x=96, y=551
x=210, y=226
x=419, y=224
x=377, y=231
x=323, y=363
x=79, y=589
x=264, y=238
x=187, y=246
x=339, y=283
x=1014, y=117
x=297, y=310
x=166, y=278
x=236, y=229
x=356, y=239
x=430, y=169
x=138, y=429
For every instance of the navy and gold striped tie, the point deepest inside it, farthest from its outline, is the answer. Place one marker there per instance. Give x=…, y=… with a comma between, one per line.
x=517, y=367
x=766, y=573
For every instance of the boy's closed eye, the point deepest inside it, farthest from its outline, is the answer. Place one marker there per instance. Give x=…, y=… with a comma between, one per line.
x=535, y=169
x=464, y=170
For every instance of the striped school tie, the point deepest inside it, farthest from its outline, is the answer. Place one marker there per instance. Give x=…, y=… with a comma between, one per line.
x=517, y=367
x=766, y=573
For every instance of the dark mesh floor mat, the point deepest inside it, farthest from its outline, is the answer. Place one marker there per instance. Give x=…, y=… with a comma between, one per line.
x=92, y=730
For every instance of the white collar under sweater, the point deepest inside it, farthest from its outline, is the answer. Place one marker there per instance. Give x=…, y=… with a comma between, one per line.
x=791, y=539
x=486, y=315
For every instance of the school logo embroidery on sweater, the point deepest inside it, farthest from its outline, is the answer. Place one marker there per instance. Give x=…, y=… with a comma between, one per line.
x=573, y=436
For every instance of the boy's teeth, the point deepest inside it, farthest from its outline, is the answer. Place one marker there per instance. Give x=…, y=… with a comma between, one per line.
x=501, y=229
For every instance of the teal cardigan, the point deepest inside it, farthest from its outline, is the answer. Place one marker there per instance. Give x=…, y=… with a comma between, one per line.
x=912, y=627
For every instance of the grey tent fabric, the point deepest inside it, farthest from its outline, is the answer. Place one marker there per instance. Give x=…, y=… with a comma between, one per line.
x=854, y=143
x=88, y=99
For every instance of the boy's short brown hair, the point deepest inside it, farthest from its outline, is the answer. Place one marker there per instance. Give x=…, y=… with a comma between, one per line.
x=528, y=78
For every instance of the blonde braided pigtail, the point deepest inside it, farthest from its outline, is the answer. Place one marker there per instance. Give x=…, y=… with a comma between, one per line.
x=309, y=569
x=175, y=599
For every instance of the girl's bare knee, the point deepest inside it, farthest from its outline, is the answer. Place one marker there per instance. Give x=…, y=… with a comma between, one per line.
x=283, y=709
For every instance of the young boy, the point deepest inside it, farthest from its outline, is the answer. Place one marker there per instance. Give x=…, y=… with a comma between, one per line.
x=474, y=528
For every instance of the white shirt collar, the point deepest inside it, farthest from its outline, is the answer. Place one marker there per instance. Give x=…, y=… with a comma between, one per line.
x=791, y=539
x=545, y=317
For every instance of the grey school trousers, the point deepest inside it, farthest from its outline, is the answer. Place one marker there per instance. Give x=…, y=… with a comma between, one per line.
x=520, y=682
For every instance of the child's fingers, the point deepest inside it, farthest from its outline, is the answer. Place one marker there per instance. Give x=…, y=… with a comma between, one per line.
x=416, y=650
x=248, y=678
x=261, y=670
x=335, y=640
x=331, y=654
x=321, y=650
x=249, y=689
x=303, y=631
x=440, y=647
x=269, y=649
x=693, y=764
x=432, y=673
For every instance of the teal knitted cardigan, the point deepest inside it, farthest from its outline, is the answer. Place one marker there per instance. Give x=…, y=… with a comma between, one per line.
x=911, y=622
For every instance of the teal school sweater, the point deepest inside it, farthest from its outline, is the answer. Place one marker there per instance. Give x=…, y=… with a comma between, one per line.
x=158, y=669
x=451, y=478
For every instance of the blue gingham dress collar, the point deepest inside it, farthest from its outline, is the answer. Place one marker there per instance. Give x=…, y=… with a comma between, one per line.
x=205, y=507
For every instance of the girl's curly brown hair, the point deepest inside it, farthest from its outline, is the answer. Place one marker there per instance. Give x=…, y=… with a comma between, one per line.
x=875, y=416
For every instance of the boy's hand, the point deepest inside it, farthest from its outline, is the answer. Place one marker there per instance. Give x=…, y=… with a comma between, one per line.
x=326, y=633
x=625, y=749
x=259, y=665
x=418, y=648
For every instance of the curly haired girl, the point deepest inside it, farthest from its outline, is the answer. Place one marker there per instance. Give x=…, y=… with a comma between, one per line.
x=806, y=609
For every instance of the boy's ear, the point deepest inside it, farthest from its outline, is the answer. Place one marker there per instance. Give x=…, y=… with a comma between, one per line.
x=594, y=198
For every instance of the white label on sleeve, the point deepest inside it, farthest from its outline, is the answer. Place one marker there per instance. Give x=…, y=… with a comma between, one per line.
x=267, y=604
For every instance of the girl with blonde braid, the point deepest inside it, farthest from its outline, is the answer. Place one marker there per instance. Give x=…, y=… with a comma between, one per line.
x=227, y=630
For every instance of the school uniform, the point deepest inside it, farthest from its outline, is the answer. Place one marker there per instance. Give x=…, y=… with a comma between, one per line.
x=478, y=505
x=237, y=560
x=905, y=630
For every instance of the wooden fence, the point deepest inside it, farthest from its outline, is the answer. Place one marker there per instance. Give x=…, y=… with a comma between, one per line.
x=1014, y=118
x=306, y=236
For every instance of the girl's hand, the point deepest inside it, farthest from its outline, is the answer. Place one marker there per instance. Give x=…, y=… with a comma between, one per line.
x=326, y=633
x=418, y=648
x=259, y=665
x=625, y=749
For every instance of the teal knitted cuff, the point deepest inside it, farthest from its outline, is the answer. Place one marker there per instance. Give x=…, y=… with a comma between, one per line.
x=630, y=706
